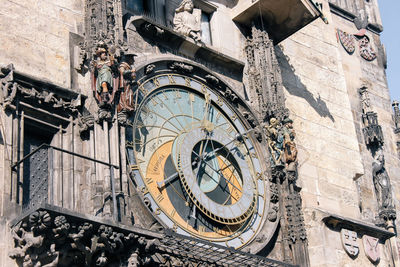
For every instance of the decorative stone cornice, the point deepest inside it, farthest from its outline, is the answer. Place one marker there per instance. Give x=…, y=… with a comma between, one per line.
x=52, y=236
x=26, y=88
x=362, y=228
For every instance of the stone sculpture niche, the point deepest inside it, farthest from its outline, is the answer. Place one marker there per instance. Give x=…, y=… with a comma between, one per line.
x=373, y=136
x=187, y=20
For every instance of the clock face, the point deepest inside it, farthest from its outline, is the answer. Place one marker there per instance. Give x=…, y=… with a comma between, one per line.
x=195, y=161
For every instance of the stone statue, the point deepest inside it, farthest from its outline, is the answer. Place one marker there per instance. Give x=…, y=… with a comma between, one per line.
x=127, y=74
x=187, y=20
x=289, y=145
x=104, y=82
x=382, y=183
x=275, y=143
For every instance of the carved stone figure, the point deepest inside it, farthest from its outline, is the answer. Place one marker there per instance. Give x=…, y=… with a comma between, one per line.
x=349, y=242
x=127, y=74
x=104, y=82
x=187, y=20
x=365, y=100
x=396, y=115
x=289, y=144
x=275, y=143
x=382, y=184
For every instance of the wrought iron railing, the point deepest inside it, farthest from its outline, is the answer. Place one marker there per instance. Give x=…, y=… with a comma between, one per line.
x=39, y=179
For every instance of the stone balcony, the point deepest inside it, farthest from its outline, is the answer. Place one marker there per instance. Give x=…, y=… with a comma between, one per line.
x=282, y=18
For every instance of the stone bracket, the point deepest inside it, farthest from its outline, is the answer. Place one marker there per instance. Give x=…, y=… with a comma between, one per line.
x=56, y=103
x=362, y=228
x=181, y=44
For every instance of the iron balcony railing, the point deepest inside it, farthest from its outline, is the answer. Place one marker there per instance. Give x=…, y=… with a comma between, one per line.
x=38, y=180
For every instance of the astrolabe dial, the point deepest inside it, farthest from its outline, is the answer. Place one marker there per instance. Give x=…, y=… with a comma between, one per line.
x=196, y=161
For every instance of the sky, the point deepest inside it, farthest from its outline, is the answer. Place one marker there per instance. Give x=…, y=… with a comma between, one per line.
x=391, y=40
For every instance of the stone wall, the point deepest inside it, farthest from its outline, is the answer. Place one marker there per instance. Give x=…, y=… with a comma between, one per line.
x=35, y=36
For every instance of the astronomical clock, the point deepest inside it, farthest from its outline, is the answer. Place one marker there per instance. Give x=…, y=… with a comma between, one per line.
x=195, y=158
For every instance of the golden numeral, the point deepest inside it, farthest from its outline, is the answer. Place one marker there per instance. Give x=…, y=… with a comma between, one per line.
x=144, y=190
x=230, y=130
x=174, y=228
x=158, y=211
x=203, y=88
x=218, y=116
x=171, y=79
x=187, y=82
x=259, y=176
x=160, y=198
x=253, y=155
x=241, y=239
x=191, y=97
x=220, y=102
x=134, y=167
x=141, y=89
x=154, y=102
x=202, y=228
x=173, y=212
x=156, y=82
x=233, y=117
x=177, y=94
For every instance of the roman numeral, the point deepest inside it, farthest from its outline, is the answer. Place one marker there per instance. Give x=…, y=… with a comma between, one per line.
x=171, y=79
x=149, y=180
x=159, y=198
x=156, y=82
x=173, y=212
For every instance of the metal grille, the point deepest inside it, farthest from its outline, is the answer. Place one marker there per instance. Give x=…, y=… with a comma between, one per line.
x=35, y=181
x=203, y=251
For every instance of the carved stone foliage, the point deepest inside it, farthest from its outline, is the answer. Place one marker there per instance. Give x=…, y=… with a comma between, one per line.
x=348, y=41
x=48, y=237
x=45, y=239
x=296, y=227
x=187, y=20
x=350, y=242
x=16, y=85
x=264, y=77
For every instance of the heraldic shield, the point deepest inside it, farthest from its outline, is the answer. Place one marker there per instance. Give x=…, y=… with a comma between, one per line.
x=349, y=241
x=371, y=248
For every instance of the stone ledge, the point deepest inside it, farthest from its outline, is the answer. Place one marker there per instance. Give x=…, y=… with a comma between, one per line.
x=53, y=235
x=335, y=9
x=180, y=44
x=338, y=222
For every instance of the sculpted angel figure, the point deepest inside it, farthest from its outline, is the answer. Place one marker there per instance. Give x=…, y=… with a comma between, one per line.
x=187, y=20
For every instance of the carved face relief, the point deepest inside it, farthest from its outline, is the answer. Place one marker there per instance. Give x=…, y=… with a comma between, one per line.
x=371, y=248
x=349, y=241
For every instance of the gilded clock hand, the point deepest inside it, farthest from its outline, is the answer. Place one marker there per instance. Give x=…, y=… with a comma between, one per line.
x=172, y=177
x=219, y=173
x=238, y=137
